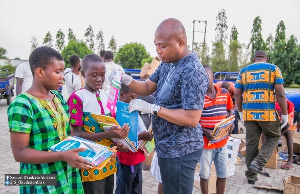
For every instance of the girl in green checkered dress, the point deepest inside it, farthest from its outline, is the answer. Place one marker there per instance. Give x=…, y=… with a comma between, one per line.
x=38, y=119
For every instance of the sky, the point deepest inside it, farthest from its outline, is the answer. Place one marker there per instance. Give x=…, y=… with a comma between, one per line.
x=136, y=20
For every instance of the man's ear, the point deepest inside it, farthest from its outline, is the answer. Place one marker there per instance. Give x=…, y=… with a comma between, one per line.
x=39, y=72
x=181, y=43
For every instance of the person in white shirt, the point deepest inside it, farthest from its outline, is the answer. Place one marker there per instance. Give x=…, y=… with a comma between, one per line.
x=72, y=77
x=24, y=78
x=110, y=67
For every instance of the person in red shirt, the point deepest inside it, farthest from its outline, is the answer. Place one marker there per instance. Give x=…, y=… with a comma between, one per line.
x=217, y=107
x=286, y=131
x=129, y=174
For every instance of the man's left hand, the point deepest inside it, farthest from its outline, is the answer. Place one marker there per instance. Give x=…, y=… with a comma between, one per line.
x=141, y=105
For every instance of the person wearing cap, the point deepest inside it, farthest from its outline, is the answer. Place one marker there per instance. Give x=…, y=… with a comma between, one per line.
x=256, y=90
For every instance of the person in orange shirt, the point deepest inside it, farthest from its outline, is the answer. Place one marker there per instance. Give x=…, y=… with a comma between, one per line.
x=217, y=107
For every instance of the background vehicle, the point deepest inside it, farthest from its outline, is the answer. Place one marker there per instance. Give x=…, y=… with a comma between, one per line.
x=6, y=85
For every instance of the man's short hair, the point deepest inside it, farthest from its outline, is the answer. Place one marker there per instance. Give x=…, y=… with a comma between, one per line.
x=102, y=53
x=91, y=58
x=74, y=60
x=260, y=53
x=43, y=56
x=108, y=55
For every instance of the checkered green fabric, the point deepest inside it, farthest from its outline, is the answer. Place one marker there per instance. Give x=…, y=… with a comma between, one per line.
x=27, y=115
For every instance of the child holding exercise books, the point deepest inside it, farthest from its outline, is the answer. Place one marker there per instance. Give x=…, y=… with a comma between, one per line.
x=129, y=175
x=83, y=102
x=39, y=119
x=217, y=107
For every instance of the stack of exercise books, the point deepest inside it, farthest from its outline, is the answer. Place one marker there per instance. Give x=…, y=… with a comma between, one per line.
x=94, y=153
x=106, y=122
x=222, y=130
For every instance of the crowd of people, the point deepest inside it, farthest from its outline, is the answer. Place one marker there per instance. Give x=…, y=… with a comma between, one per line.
x=179, y=101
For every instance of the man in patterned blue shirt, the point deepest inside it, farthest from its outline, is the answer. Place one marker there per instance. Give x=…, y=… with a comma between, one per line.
x=180, y=83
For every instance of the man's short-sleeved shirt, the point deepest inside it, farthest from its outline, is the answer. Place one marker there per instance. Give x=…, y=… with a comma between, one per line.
x=214, y=111
x=258, y=81
x=23, y=71
x=180, y=85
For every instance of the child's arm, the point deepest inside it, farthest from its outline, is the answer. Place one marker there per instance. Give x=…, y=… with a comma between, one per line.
x=22, y=153
x=208, y=133
x=113, y=132
x=145, y=136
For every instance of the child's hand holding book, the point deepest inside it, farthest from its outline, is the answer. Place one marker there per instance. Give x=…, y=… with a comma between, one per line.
x=74, y=160
x=118, y=132
x=121, y=147
x=147, y=136
x=208, y=134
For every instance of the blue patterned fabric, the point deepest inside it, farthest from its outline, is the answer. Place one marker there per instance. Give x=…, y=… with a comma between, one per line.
x=180, y=85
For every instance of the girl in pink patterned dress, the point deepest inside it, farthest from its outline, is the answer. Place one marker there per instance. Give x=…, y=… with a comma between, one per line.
x=92, y=99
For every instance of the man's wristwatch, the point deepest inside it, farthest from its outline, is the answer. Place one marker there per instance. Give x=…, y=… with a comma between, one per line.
x=156, y=108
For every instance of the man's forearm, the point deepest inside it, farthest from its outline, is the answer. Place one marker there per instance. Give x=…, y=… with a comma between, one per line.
x=142, y=88
x=181, y=117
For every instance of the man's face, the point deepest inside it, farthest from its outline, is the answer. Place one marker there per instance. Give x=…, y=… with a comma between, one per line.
x=167, y=47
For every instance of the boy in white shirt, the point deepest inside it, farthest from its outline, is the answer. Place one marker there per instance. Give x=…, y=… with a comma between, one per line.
x=72, y=78
x=24, y=78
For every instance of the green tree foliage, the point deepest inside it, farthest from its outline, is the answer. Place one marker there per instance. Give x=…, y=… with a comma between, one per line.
x=11, y=69
x=71, y=35
x=292, y=61
x=48, y=40
x=221, y=27
x=280, y=32
x=3, y=53
x=219, y=63
x=100, y=41
x=234, y=50
x=279, y=54
x=202, y=52
x=131, y=55
x=270, y=45
x=60, y=40
x=89, y=38
x=257, y=42
x=112, y=45
x=34, y=43
x=75, y=48
x=147, y=60
x=244, y=56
